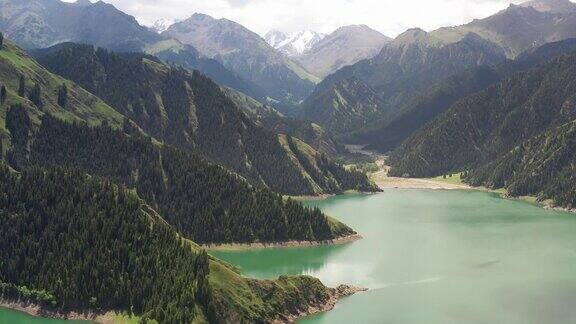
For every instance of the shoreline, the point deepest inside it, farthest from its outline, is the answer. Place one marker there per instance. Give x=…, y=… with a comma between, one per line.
x=288, y=244
x=36, y=310
x=335, y=295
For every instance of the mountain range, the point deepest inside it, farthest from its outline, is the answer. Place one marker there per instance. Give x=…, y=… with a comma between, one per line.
x=417, y=62
x=189, y=111
x=247, y=54
x=42, y=23
x=405, y=67
x=325, y=54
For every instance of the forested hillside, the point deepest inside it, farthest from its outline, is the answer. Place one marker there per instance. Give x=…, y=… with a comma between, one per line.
x=343, y=107
x=542, y=167
x=494, y=129
x=268, y=117
x=386, y=135
x=27, y=83
x=205, y=202
x=403, y=70
x=189, y=111
x=71, y=242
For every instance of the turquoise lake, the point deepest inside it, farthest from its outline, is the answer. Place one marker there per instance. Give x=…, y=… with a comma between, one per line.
x=438, y=257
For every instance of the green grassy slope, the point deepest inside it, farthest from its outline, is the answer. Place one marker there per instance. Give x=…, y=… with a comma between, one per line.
x=81, y=105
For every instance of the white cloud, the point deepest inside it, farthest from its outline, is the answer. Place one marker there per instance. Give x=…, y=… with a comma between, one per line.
x=388, y=16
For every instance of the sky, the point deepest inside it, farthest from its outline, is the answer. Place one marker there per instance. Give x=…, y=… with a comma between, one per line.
x=390, y=17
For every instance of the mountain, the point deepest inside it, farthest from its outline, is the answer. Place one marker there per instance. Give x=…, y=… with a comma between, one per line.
x=78, y=243
x=521, y=27
x=80, y=105
x=402, y=74
x=346, y=106
x=170, y=180
x=494, y=128
x=275, y=37
x=42, y=23
x=345, y=46
x=180, y=184
x=553, y=6
x=406, y=67
x=160, y=25
x=189, y=111
x=247, y=54
x=386, y=135
x=102, y=212
x=294, y=44
x=269, y=118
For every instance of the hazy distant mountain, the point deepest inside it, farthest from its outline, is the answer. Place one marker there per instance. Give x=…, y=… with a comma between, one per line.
x=553, y=6
x=345, y=46
x=404, y=68
x=43, y=23
x=247, y=54
x=294, y=44
x=521, y=27
x=416, y=74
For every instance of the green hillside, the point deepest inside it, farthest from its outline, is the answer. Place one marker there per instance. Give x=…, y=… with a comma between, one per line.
x=205, y=202
x=186, y=110
x=81, y=105
x=70, y=242
x=509, y=135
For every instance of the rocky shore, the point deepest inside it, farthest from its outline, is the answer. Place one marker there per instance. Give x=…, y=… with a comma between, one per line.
x=335, y=294
x=287, y=244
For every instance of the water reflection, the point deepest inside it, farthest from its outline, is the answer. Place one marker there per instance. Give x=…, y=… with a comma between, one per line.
x=439, y=257
x=273, y=262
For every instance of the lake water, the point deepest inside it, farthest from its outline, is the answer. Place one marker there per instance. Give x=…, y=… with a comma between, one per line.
x=9, y=316
x=438, y=257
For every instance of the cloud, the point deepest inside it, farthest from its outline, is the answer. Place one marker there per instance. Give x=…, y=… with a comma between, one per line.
x=391, y=17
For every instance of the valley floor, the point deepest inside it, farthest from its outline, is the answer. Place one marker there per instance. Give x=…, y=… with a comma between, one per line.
x=382, y=179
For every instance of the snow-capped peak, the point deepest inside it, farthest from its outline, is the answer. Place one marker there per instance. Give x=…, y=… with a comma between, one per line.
x=275, y=37
x=161, y=25
x=294, y=44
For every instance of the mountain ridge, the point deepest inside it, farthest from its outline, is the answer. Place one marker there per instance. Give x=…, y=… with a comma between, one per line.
x=245, y=53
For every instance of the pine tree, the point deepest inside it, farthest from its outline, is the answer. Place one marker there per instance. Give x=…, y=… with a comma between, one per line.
x=36, y=95
x=63, y=95
x=1, y=41
x=3, y=94
x=22, y=86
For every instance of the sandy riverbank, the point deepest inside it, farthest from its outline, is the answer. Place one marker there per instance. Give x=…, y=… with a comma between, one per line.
x=382, y=179
x=385, y=182
x=288, y=244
